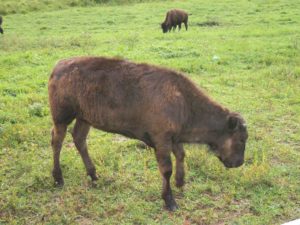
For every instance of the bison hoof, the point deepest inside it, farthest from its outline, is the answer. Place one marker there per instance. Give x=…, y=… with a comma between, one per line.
x=179, y=183
x=59, y=183
x=172, y=207
x=58, y=178
x=93, y=177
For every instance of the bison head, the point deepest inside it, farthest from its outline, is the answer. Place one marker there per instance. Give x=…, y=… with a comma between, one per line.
x=230, y=145
x=164, y=27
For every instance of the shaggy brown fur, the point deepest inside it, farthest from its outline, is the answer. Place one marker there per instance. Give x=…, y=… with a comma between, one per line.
x=173, y=19
x=158, y=106
x=1, y=30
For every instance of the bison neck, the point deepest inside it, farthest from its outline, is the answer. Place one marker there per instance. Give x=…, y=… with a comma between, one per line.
x=206, y=121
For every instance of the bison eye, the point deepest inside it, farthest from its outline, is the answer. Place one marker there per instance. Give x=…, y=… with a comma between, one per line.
x=242, y=141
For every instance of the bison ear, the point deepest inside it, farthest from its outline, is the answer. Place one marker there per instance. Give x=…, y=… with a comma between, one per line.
x=233, y=122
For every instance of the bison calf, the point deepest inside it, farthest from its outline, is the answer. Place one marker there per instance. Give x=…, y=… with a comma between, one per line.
x=158, y=106
x=173, y=19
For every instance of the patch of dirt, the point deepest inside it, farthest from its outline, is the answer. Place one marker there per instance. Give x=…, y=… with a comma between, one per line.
x=83, y=221
x=208, y=24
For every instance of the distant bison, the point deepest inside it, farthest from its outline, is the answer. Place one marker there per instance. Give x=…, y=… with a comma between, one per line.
x=173, y=19
x=158, y=106
x=1, y=30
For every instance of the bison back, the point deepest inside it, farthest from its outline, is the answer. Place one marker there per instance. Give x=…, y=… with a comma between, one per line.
x=115, y=95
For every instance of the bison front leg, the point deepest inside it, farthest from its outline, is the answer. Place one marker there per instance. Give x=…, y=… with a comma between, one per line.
x=80, y=132
x=179, y=27
x=186, y=25
x=165, y=167
x=179, y=155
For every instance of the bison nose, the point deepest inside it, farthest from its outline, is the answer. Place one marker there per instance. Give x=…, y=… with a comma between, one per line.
x=239, y=162
x=233, y=164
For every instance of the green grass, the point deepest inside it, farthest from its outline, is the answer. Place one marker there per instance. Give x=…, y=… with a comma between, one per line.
x=249, y=63
x=25, y=6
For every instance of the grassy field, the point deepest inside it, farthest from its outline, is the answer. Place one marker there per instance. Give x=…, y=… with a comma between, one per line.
x=249, y=62
x=25, y=6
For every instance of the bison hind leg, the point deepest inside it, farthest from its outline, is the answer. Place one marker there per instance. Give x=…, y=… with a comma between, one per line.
x=179, y=154
x=80, y=132
x=62, y=117
x=58, y=135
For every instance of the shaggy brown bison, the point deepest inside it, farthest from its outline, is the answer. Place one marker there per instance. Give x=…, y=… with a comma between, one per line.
x=158, y=106
x=173, y=19
x=1, y=30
